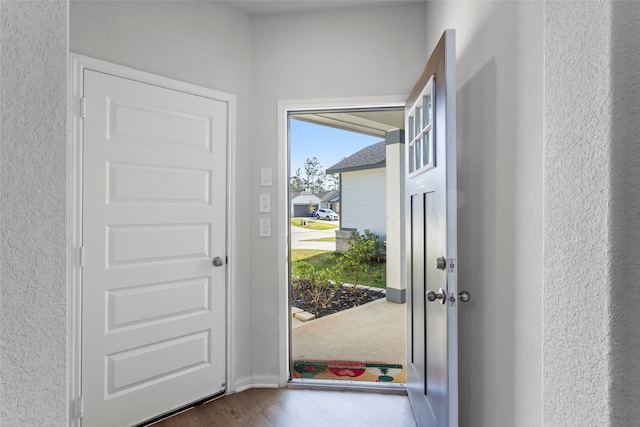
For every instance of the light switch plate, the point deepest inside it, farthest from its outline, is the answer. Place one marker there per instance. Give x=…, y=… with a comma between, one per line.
x=266, y=179
x=265, y=203
x=265, y=227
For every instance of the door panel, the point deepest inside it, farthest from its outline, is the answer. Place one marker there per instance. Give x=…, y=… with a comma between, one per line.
x=154, y=216
x=436, y=320
x=417, y=303
x=432, y=375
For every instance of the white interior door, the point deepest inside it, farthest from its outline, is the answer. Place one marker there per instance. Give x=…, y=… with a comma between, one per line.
x=432, y=375
x=154, y=219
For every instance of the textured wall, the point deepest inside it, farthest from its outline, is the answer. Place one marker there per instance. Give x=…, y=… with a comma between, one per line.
x=577, y=258
x=625, y=213
x=33, y=317
x=499, y=131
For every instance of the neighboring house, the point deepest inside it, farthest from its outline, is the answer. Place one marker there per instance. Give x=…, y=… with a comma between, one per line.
x=330, y=200
x=300, y=203
x=363, y=189
x=324, y=200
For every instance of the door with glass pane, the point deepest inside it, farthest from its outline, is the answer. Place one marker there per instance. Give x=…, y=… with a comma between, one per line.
x=432, y=374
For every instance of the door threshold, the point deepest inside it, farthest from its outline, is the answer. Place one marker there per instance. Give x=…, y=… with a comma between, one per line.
x=182, y=409
x=339, y=385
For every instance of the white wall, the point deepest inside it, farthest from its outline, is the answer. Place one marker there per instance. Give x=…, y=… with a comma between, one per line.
x=364, y=201
x=33, y=309
x=363, y=52
x=204, y=43
x=500, y=164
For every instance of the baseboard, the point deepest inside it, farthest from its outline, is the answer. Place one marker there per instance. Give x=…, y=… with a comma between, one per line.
x=265, y=381
x=242, y=384
x=255, y=381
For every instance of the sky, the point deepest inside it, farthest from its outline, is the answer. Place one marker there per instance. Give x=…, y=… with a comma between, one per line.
x=328, y=144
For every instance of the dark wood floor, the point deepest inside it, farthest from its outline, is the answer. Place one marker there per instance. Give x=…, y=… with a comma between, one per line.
x=298, y=408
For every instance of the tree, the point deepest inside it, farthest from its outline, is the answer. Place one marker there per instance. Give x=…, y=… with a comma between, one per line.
x=332, y=182
x=297, y=183
x=315, y=176
x=315, y=180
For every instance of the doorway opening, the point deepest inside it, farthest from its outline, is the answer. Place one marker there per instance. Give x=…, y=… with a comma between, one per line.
x=347, y=319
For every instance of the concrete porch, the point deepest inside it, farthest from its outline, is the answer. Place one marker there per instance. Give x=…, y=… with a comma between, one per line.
x=374, y=332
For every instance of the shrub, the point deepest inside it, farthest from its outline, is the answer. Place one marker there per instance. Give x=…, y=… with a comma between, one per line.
x=363, y=251
x=314, y=284
x=366, y=248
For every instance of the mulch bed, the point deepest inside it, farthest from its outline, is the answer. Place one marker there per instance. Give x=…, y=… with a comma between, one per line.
x=343, y=299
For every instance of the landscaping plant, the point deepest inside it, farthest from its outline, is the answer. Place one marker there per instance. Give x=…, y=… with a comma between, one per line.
x=314, y=284
x=353, y=265
x=318, y=288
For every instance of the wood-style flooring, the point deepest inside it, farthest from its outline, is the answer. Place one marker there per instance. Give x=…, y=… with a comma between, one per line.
x=290, y=407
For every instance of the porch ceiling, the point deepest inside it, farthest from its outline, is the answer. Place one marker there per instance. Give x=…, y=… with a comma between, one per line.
x=374, y=123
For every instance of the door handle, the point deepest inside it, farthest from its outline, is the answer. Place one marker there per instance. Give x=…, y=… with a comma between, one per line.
x=218, y=262
x=464, y=296
x=432, y=295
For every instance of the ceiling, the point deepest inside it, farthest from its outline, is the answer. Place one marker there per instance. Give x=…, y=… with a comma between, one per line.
x=368, y=122
x=272, y=7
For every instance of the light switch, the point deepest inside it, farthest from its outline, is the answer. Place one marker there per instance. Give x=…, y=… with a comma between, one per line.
x=266, y=177
x=265, y=203
x=265, y=227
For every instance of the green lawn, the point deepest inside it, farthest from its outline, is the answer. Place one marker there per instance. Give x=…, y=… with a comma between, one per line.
x=376, y=276
x=312, y=224
x=324, y=239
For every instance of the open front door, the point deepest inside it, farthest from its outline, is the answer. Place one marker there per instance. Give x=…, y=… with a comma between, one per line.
x=432, y=375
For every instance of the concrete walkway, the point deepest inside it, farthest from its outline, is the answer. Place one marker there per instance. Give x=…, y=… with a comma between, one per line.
x=374, y=332
x=300, y=238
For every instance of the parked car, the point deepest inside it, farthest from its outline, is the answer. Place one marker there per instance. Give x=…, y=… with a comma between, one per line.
x=327, y=214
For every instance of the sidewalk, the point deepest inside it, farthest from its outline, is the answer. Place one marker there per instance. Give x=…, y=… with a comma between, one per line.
x=300, y=238
x=374, y=332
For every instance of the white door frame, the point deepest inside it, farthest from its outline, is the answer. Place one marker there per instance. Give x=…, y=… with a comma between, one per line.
x=78, y=64
x=284, y=108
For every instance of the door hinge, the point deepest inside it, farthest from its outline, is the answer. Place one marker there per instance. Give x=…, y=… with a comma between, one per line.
x=80, y=407
x=226, y=260
x=83, y=107
x=81, y=256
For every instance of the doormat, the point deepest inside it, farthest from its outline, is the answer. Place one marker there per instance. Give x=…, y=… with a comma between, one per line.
x=349, y=371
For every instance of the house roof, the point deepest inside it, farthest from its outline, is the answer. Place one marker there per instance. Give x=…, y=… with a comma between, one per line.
x=371, y=157
x=295, y=194
x=329, y=196
x=324, y=196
